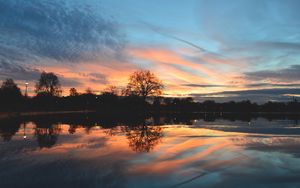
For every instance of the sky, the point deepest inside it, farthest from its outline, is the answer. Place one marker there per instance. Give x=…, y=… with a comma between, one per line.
x=207, y=49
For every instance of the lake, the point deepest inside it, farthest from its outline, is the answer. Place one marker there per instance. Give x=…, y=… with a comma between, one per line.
x=199, y=150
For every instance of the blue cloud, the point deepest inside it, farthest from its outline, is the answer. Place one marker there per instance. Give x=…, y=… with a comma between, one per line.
x=19, y=72
x=286, y=74
x=255, y=95
x=98, y=78
x=56, y=29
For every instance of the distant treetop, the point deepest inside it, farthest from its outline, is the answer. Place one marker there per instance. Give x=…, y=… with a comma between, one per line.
x=48, y=84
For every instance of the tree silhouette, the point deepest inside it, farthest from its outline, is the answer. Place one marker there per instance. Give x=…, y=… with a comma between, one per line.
x=10, y=96
x=73, y=92
x=48, y=84
x=144, y=83
x=89, y=91
x=10, y=88
x=111, y=89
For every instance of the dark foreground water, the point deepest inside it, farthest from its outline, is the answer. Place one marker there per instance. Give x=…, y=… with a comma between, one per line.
x=90, y=151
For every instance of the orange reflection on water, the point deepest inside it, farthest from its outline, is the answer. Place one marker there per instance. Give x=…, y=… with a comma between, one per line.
x=172, y=155
x=95, y=144
x=190, y=146
x=184, y=150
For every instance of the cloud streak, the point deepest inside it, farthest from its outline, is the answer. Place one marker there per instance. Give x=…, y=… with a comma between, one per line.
x=172, y=58
x=18, y=72
x=23, y=73
x=203, y=85
x=286, y=74
x=256, y=95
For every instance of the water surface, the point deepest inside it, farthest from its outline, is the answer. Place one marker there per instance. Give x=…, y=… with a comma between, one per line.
x=85, y=151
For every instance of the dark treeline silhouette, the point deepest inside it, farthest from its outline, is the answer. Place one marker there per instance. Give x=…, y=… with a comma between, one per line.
x=140, y=95
x=188, y=105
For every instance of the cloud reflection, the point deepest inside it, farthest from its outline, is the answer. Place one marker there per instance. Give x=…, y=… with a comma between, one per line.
x=140, y=155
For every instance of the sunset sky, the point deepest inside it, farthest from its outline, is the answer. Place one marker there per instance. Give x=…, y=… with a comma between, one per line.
x=207, y=49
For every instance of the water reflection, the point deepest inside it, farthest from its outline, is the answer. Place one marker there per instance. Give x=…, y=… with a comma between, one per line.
x=47, y=137
x=144, y=133
x=72, y=128
x=9, y=128
x=168, y=151
x=143, y=138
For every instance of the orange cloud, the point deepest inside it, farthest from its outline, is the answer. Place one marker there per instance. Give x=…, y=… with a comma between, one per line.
x=170, y=57
x=114, y=72
x=170, y=66
x=175, y=69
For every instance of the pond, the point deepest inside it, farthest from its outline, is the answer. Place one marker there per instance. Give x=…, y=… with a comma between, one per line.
x=87, y=150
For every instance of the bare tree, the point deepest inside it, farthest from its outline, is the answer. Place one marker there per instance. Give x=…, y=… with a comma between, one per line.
x=48, y=84
x=73, y=92
x=111, y=89
x=144, y=83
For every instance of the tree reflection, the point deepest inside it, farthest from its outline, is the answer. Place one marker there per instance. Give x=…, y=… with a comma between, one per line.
x=113, y=131
x=72, y=128
x=9, y=128
x=47, y=137
x=143, y=138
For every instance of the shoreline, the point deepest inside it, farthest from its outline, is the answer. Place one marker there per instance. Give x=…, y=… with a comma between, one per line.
x=5, y=115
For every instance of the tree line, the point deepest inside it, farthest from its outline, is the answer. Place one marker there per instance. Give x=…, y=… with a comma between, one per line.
x=141, y=94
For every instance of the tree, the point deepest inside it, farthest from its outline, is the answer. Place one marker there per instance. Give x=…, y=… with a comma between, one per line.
x=89, y=91
x=111, y=89
x=10, y=96
x=10, y=89
x=48, y=84
x=73, y=92
x=144, y=83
